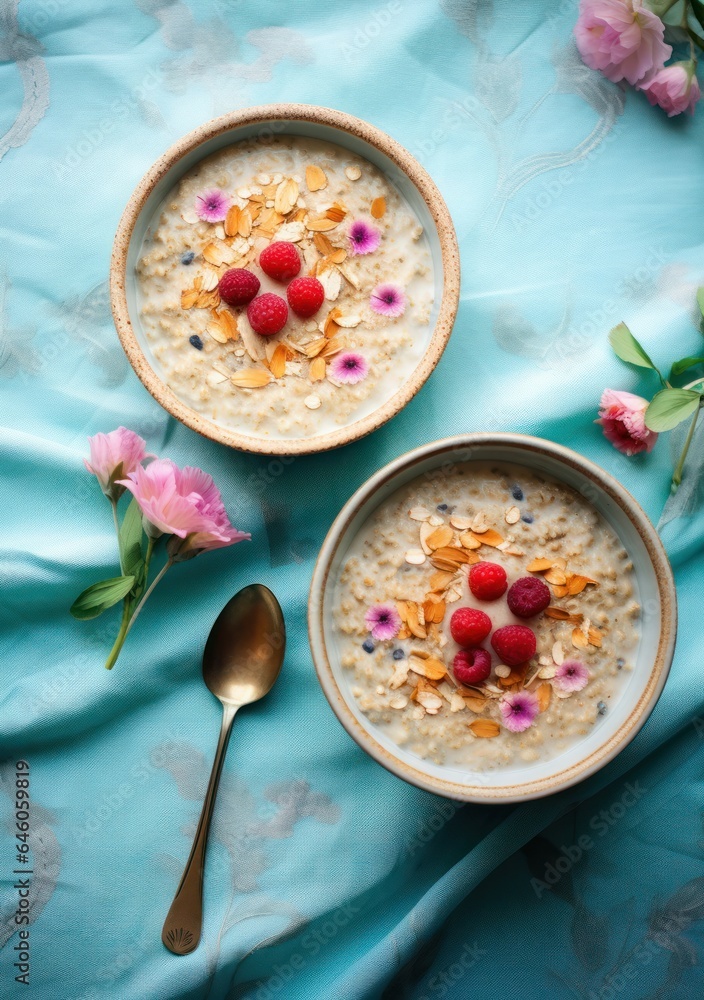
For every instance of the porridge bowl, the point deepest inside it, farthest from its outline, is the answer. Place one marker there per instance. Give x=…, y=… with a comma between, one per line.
x=284, y=279
x=492, y=617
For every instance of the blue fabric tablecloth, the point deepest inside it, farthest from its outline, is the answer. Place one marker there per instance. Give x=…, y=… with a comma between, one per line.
x=576, y=205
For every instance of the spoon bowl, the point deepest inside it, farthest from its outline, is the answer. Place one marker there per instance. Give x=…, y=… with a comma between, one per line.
x=245, y=649
x=241, y=661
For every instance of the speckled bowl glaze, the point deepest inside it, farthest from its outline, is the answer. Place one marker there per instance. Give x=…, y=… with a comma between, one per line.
x=352, y=133
x=658, y=621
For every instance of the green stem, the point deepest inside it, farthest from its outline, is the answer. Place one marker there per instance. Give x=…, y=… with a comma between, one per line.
x=113, y=504
x=121, y=636
x=143, y=601
x=677, y=477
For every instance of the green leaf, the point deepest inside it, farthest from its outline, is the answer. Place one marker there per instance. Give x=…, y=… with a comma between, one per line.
x=683, y=364
x=700, y=299
x=131, y=540
x=627, y=347
x=670, y=407
x=100, y=596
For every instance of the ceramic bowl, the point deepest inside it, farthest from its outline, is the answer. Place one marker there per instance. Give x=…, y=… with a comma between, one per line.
x=359, y=137
x=658, y=622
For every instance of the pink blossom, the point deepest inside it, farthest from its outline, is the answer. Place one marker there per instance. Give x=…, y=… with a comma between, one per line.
x=519, y=710
x=349, y=367
x=383, y=621
x=622, y=415
x=114, y=455
x=571, y=676
x=622, y=38
x=388, y=300
x=213, y=205
x=364, y=238
x=675, y=89
x=185, y=503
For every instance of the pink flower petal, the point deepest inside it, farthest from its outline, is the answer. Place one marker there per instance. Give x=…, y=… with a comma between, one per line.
x=383, y=621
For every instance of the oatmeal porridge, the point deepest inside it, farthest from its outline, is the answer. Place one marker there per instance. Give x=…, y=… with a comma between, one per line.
x=486, y=616
x=285, y=288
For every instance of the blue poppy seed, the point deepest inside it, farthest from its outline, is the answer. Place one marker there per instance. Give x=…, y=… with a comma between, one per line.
x=196, y=341
x=398, y=654
x=368, y=646
x=516, y=492
x=601, y=708
x=188, y=257
x=527, y=518
x=442, y=507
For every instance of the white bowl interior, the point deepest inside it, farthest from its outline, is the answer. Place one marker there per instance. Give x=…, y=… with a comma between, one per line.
x=314, y=130
x=648, y=595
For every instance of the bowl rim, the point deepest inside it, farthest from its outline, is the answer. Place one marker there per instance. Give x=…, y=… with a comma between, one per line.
x=290, y=113
x=652, y=689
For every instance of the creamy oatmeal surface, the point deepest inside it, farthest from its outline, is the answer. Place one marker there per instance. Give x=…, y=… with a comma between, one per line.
x=406, y=575
x=354, y=232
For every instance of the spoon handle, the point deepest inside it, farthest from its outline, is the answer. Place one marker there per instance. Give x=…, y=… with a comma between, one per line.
x=182, y=927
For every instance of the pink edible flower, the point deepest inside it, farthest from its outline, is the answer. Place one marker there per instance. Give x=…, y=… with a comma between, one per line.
x=185, y=503
x=571, y=676
x=388, y=300
x=114, y=455
x=383, y=621
x=622, y=415
x=675, y=89
x=364, y=238
x=213, y=205
x=349, y=367
x=519, y=710
x=622, y=38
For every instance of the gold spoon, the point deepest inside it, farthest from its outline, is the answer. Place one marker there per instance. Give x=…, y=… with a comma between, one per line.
x=241, y=661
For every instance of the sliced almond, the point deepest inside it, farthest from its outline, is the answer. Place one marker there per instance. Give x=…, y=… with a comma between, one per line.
x=485, y=728
x=560, y=615
x=348, y=322
x=353, y=172
x=544, y=695
x=547, y=672
x=278, y=361
x=539, y=565
x=441, y=580
x=251, y=378
x=313, y=402
x=434, y=611
x=457, y=702
x=594, y=636
x=415, y=557
x=576, y=583
x=323, y=244
x=320, y=224
x=439, y=537
x=216, y=331
x=419, y=513
x=414, y=623
x=209, y=280
x=432, y=703
x=558, y=653
x=313, y=349
x=378, y=208
x=579, y=640
x=479, y=523
x=399, y=676
x=490, y=537
x=398, y=701
x=290, y=232
x=402, y=608
x=502, y=670
x=331, y=347
x=251, y=340
x=475, y=703
x=556, y=576
x=318, y=367
x=336, y=212
x=331, y=281
x=559, y=591
x=453, y=594
x=512, y=515
x=315, y=177
x=430, y=667
x=470, y=540
x=286, y=196
x=189, y=297
x=461, y=523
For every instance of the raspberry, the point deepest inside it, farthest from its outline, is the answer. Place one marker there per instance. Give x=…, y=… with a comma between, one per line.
x=528, y=596
x=469, y=626
x=267, y=314
x=471, y=666
x=238, y=286
x=280, y=261
x=514, y=644
x=487, y=580
x=305, y=296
